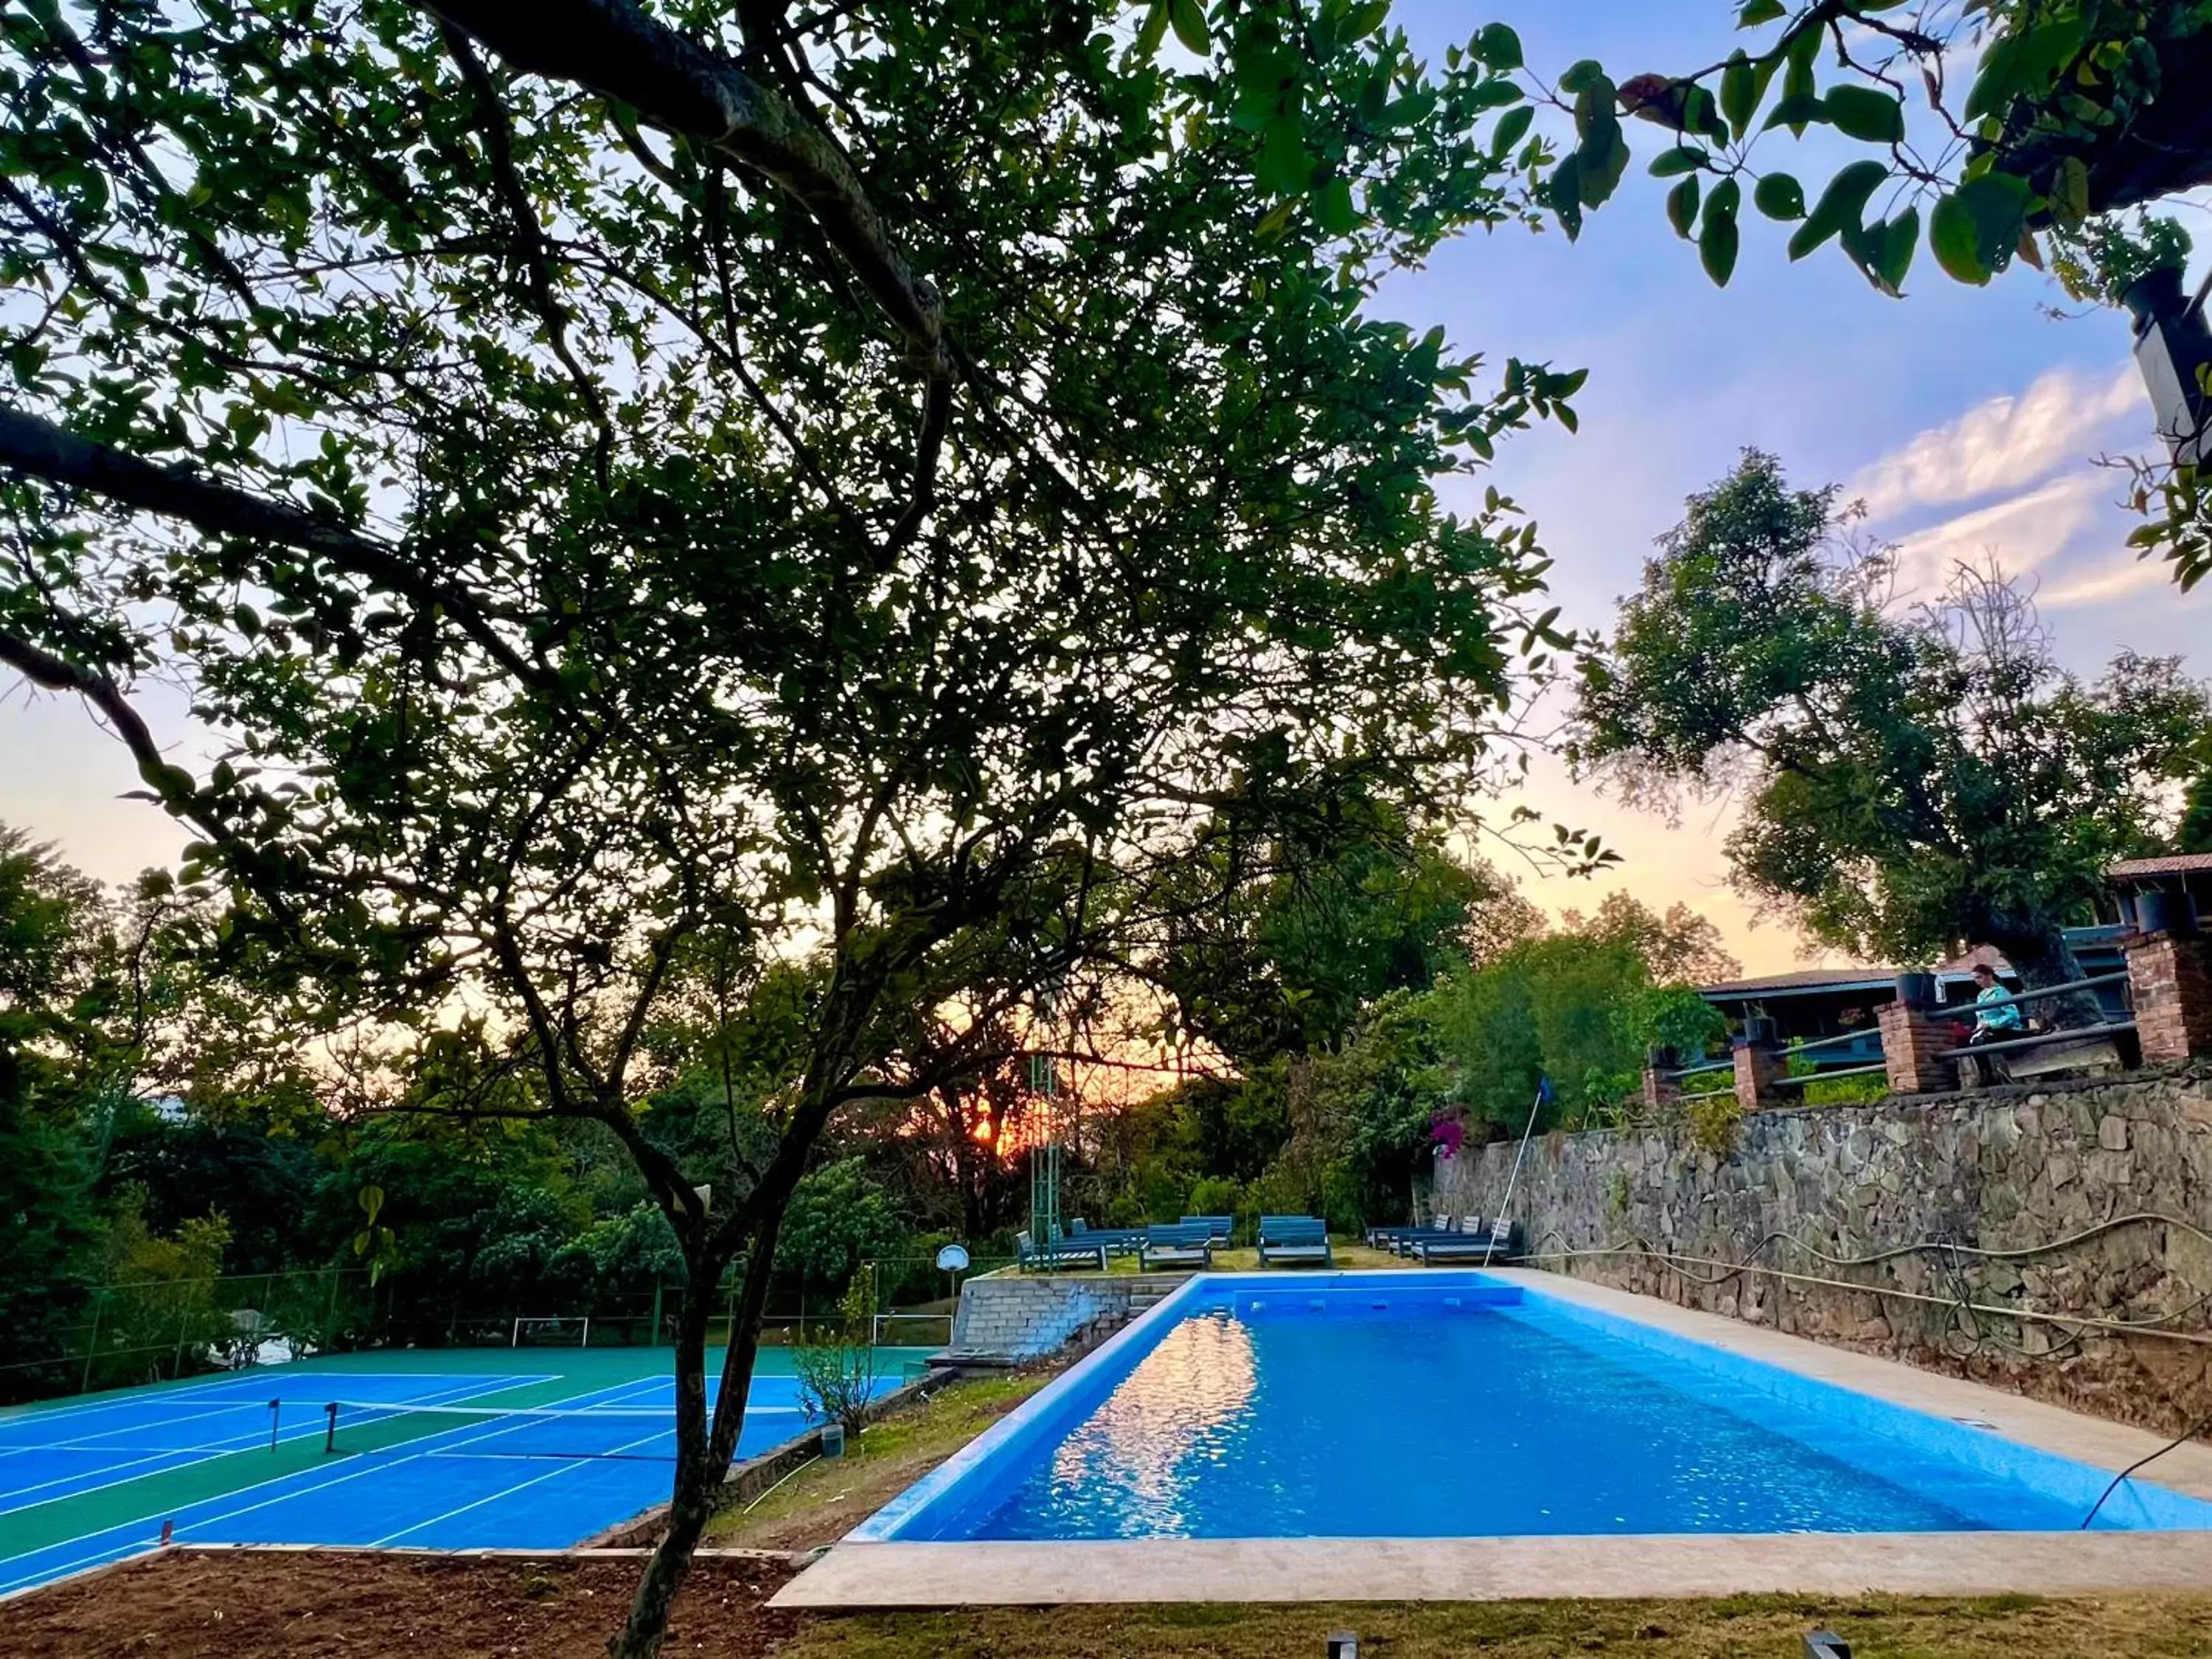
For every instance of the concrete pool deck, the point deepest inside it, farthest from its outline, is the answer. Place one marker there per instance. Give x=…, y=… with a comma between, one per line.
x=859, y=1575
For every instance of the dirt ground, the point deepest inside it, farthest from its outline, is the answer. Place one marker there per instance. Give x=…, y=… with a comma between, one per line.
x=250, y=1605
x=191, y=1604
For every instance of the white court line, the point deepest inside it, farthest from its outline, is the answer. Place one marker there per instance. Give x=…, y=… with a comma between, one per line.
x=36, y=1413
x=519, y=1485
x=377, y=1466
x=385, y=1542
x=307, y=1432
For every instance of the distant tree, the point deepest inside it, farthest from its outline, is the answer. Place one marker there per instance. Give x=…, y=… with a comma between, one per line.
x=1296, y=914
x=1909, y=780
x=2194, y=833
x=1679, y=948
x=60, y=1078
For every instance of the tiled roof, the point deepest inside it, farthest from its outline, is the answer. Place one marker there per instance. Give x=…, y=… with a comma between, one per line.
x=2178, y=864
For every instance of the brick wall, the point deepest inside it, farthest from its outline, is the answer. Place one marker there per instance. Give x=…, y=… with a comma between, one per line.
x=1013, y=1317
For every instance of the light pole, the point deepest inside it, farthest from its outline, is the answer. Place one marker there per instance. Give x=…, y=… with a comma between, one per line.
x=2173, y=349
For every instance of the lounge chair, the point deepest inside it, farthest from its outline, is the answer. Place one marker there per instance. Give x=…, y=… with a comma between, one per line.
x=1032, y=1257
x=1404, y=1239
x=1294, y=1238
x=1177, y=1244
x=1118, y=1240
x=1218, y=1228
x=1502, y=1242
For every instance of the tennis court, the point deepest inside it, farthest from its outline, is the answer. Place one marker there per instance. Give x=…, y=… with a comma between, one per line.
x=529, y=1448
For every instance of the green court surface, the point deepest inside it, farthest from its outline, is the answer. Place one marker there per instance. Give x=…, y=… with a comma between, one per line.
x=528, y=1447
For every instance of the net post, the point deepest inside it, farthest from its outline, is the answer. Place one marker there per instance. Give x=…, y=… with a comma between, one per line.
x=92, y=1344
x=276, y=1407
x=331, y=1431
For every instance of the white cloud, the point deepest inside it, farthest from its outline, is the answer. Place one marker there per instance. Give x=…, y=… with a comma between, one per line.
x=2125, y=575
x=2026, y=531
x=2003, y=444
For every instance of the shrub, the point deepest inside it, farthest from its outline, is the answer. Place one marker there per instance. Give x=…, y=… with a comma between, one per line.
x=836, y=1371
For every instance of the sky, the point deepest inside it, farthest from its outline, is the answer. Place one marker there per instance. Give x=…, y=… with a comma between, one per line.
x=1966, y=419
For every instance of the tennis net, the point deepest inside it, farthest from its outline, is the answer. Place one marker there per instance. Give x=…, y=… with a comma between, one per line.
x=364, y=1427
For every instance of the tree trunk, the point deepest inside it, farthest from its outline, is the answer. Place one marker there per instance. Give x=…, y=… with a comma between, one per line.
x=2041, y=957
x=704, y=1447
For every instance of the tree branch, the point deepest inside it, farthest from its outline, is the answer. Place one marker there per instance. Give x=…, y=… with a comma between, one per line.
x=39, y=449
x=612, y=47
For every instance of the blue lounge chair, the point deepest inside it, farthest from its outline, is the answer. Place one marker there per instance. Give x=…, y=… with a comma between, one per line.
x=1177, y=1244
x=1032, y=1257
x=1118, y=1240
x=1502, y=1242
x=1218, y=1227
x=1294, y=1238
x=1402, y=1240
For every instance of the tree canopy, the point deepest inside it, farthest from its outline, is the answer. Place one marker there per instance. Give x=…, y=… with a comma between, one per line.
x=1912, y=780
x=696, y=528
x=2047, y=131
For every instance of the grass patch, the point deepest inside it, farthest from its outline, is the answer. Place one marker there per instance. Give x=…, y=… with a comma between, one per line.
x=828, y=1497
x=2142, y=1627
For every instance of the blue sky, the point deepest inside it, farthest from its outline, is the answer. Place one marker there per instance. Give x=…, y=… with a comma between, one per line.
x=1966, y=418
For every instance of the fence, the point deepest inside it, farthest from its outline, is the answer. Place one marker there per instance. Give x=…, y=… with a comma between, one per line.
x=149, y=1330
x=2157, y=1009
x=156, y=1330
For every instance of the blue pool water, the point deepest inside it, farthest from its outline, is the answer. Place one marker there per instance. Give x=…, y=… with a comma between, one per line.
x=1380, y=1406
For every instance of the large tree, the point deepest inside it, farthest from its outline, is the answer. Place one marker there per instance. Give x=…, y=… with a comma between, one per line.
x=664, y=508
x=1909, y=778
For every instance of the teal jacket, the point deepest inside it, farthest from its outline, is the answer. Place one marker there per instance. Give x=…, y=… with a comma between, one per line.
x=2005, y=1017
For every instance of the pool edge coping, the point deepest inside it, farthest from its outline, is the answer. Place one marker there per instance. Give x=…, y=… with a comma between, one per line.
x=854, y=1578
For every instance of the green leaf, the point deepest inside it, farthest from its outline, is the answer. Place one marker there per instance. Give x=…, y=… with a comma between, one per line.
x=1900, y=238
x=1717, y=236
x=2070, y=198
x=1493, y=94
x=1500, y=48
x=1682, y=206
x=1154, y=31
x=1739, y=93
x=1860, y=113
x=1756, y=12
x=1334, y=210
x=1512, y=127
x=1672, y=163
x=1564, y=189
x=1580, y=76
x=1702, y=116
x=1841, y=207
x=1284, y=167
x=1976, y=229
x=1778, y=196
x=1189, y=20
x=1364, y=20
x=1796, y=111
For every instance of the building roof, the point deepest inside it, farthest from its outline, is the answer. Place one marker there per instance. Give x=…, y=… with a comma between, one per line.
x=1813, y=982
x=2176, y=864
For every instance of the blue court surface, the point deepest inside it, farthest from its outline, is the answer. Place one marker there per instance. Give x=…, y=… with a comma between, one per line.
x=448, y=1451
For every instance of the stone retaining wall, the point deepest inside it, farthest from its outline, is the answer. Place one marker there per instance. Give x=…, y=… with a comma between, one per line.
x=1806, y=1191
x=1011, y=1317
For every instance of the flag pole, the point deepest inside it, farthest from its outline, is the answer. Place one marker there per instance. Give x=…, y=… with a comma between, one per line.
x=1505, y=1210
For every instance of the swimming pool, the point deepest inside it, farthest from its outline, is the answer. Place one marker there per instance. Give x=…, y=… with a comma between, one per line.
x=1456, y=1405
